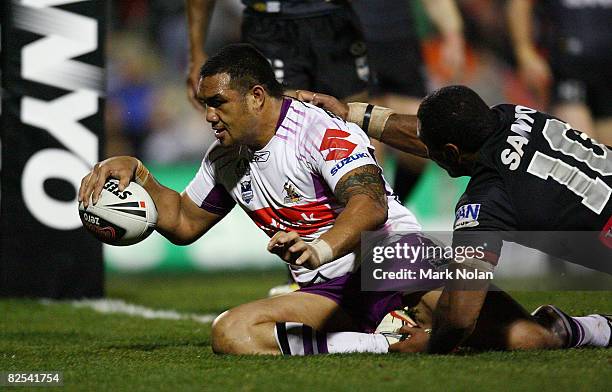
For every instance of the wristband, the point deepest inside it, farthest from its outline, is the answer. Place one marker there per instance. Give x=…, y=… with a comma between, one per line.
x=370, y=118
x=142, y=174
x=322, y=250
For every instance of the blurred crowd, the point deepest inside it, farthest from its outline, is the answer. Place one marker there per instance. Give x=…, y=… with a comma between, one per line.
x=148, y=113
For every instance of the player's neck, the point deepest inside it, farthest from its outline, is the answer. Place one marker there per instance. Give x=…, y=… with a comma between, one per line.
x=269, y=119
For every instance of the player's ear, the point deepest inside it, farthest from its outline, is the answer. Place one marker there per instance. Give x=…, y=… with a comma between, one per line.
x=451, y=153
x=256, y=97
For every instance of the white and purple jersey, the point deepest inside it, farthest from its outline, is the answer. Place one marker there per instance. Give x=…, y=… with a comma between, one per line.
x=288, y=184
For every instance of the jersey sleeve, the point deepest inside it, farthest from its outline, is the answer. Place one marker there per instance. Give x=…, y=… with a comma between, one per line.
x=335, y=148
x=484, y=217
x=209, y=195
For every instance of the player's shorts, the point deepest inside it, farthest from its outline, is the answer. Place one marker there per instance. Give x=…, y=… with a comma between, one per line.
x=587, y=82
x=366, y=308
x=324, y=53
x=397, y=68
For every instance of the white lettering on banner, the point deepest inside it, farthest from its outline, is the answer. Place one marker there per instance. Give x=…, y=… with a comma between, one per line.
x=66, y=35
x=46, y=164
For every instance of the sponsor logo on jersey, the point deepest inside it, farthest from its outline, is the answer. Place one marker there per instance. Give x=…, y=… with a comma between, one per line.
x=335, y=141
x=348, y=160
x=291, y=195
x=467, y=216
x=246, y=191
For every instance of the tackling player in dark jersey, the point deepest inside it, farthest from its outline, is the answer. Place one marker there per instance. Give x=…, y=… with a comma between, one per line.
x=530, y=171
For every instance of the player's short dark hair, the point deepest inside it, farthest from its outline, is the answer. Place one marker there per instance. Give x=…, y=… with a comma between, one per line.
x=246, y=67
x=457, y=115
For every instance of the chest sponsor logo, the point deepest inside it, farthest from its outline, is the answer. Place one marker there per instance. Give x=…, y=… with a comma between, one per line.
x=335, y=142
x=348, y=160
x=467, y=216
x=291, y=195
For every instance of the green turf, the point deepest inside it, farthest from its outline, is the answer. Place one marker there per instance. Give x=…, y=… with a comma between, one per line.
x=118, y=352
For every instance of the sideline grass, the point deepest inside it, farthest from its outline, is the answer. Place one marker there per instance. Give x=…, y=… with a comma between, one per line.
x=118, y=352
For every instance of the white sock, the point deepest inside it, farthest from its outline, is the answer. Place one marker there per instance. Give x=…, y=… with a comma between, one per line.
x=300, y=339
x=594, y=330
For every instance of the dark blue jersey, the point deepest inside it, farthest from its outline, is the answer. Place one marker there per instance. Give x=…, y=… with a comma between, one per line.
x=536, y=173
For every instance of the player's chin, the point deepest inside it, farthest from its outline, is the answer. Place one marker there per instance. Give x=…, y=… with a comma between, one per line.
x=226, y=141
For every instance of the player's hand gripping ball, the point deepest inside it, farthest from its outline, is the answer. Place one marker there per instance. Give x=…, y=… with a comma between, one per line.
x=120, y=217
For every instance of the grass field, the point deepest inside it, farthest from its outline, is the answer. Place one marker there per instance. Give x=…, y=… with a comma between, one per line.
x=107, y=352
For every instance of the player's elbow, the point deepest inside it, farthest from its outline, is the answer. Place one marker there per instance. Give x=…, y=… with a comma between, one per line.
x=380, y=216
x=376, y=211
x=179, y=236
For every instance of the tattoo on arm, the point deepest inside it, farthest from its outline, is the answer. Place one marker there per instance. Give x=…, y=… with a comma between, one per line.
x=364, y=180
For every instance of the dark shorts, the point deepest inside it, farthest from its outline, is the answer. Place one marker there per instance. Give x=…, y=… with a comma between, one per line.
x=323, y=53
x=581, y=81
x=397, y=68
x=367, y=308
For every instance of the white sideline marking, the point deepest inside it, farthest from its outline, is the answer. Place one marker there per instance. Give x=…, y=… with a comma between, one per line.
x=120, y=306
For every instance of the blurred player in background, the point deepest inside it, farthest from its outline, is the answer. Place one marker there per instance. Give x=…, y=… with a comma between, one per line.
x=574, y=69
x=529, y=172
x=309, y=180
x=396, y=63
x=314, y=44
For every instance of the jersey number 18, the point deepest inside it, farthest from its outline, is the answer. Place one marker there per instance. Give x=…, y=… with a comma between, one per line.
x=595, y=193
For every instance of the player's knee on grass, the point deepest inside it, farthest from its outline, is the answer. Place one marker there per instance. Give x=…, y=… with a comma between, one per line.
x=221, y=334
x=242, y=331
x=230, y=333
x=529, y=335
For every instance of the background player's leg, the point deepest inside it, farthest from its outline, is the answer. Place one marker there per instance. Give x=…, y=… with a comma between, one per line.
x=298, y=323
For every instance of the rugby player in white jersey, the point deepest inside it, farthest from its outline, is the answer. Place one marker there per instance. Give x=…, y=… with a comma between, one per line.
x=309, y=180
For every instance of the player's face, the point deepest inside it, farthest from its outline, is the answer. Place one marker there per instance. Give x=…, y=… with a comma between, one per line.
x=447, y=157
x=226, y=110
x=442, y=160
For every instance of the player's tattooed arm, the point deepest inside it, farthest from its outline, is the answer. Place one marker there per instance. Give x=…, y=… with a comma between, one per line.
x=362, y=191
x=365, y=180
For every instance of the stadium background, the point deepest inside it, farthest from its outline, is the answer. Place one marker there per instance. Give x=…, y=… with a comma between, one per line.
x=162, y=298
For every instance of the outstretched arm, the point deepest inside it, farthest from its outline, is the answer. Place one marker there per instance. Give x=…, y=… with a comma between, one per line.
x=396, y=130
x=179, y=218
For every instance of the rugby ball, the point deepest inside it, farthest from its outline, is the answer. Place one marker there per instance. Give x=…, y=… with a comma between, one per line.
x=120, y=217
